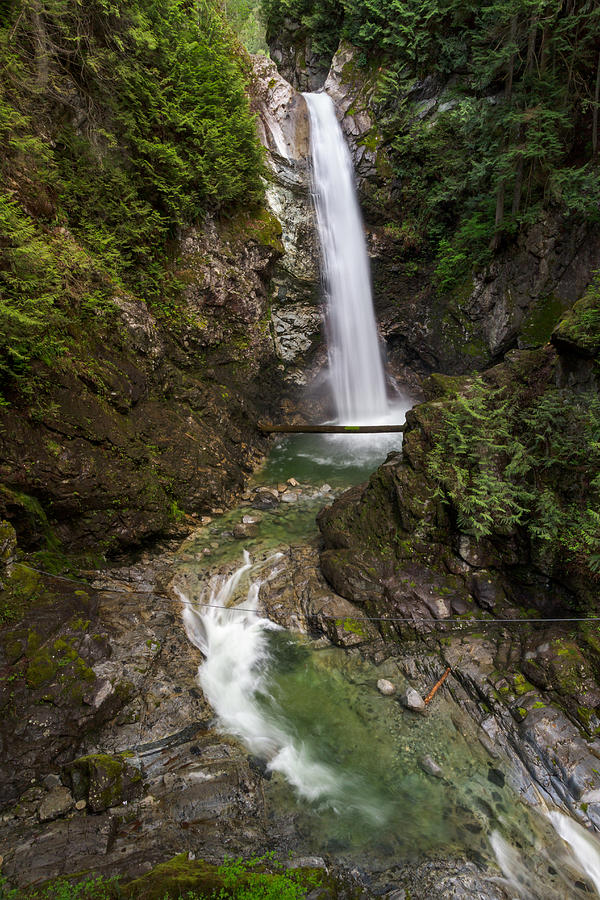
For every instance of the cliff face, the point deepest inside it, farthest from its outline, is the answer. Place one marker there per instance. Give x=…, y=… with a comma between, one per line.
x=295, y=291
x=148, y=420
x=159, y=422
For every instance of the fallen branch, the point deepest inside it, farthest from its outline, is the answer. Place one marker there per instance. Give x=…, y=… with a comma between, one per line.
x=269, y=428
x=436, y=686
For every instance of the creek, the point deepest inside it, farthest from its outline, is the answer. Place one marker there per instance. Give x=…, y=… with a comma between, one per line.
x=346, y=765
x=358, y=777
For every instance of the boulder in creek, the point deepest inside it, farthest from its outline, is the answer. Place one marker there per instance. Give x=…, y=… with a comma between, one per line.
x=411, y=699
x=386, y=687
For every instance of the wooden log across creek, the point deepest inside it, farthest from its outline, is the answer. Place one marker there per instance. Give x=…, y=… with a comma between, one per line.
x=269, y=428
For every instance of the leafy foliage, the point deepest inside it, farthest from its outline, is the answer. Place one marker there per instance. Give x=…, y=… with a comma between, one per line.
x=248, y=880
x=121, y=122
x=505, y=462
x=246, y=20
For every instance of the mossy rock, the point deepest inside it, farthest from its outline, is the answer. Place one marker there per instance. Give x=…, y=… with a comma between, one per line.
x=258, y=224
x=579, y=330
x=8, y=545
x=20, y=587
x=104, y=780
x=179, y=876
x=444, y=387
x=537, y=328
x=174, y=879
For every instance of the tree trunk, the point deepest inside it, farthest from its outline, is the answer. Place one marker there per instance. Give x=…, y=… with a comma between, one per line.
x=40, y=39
x=595, y=112
x=522, y=135
x=501, y=190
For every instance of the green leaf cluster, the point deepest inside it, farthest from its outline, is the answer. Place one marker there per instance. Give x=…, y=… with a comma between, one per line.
x=508, y=462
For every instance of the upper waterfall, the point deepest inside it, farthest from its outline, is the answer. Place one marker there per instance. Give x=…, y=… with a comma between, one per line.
x=356, y=367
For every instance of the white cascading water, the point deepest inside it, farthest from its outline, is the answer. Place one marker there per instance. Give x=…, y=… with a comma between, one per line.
x=584, y=847
x=356, y=368
x=234, y=642
x=580, y=852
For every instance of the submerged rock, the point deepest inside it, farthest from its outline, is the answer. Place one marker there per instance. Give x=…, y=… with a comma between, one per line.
x=430, y=767
x=243, y=531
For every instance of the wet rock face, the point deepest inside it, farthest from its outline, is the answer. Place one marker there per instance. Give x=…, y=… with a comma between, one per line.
x=516, y=301
x=295, y=287
x=352, y=88
x=291, y=49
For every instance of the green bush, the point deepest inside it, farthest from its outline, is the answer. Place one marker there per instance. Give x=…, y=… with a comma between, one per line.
x=120, y=123
x=508, y=462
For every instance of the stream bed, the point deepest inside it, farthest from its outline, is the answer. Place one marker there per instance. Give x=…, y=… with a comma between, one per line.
x=357, y=777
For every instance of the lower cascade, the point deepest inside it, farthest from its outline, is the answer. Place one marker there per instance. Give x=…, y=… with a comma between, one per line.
x=235, y=679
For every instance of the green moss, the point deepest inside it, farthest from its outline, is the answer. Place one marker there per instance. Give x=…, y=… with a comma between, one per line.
x=441, y=387
x=20, y=588
x=42, y=668
x=352, y=626
x=521, y=685
x=258, y=224
x=538, y=326
x=580, y=327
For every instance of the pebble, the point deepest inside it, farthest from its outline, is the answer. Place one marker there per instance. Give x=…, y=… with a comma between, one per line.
x=293, y=483
x=431, y=767
x=325, y=488
x=81, y=804
x=282, y=488
x=386, y=687
x=245, y=531
x=411, y=699
x=250, y=520
x=289, y=497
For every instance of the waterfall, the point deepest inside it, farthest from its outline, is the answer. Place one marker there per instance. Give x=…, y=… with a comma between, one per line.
x=355, y=364
x=234, y=639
